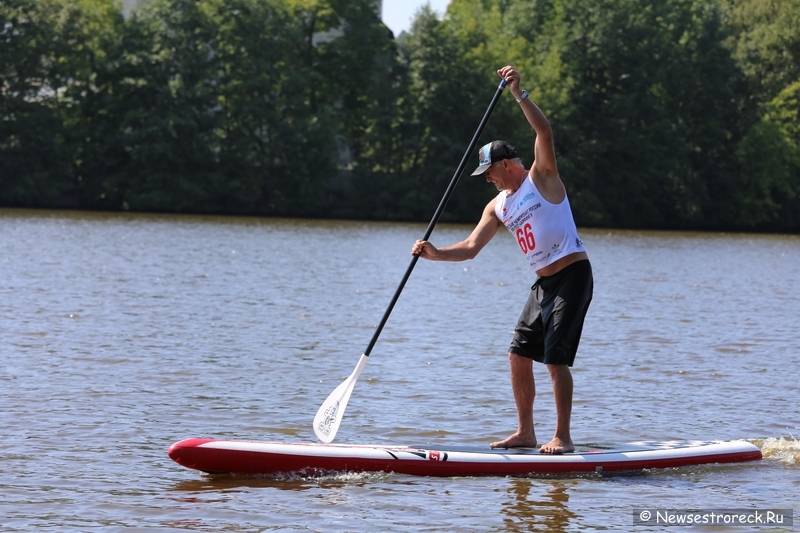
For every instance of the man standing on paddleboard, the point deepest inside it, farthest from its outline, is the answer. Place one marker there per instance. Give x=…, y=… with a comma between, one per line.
x=533, y=205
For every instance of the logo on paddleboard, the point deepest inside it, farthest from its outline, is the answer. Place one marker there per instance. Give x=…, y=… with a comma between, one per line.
x=330, y=417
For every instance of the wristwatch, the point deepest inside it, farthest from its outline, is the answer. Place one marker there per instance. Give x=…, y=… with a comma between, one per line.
x=523, y=96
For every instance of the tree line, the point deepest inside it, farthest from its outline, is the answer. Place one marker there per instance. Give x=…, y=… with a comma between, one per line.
x=679, y=114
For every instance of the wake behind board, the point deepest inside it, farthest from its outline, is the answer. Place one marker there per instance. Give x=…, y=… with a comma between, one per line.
x=274, y=458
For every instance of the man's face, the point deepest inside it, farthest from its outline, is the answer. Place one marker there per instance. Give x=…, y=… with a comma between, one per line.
x=498, y=174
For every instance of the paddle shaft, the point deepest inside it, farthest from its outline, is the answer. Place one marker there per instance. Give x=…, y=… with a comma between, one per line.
x=448, y=193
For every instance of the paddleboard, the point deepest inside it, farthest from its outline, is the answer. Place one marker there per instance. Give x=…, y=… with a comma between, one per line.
x=275, y=458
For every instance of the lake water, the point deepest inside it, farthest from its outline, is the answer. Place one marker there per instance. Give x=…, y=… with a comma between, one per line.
x=123, y=333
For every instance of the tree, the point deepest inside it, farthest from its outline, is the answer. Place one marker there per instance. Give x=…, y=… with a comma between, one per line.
x=766, y=44
x=769, y=159
x=652, y=113
x=436, y=114
x=668, y=114
x=205, y=114
x=35, y=164
x=356, y=78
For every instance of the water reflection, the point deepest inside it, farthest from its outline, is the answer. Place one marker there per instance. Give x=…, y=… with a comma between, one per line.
x=226, y=482
x=528, y=509
x=221, y=483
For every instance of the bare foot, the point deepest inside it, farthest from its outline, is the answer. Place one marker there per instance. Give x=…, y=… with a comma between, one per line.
x=516, y=441
x=557, y=447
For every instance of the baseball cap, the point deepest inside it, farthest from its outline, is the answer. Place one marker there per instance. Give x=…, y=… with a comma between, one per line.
x=493, y=152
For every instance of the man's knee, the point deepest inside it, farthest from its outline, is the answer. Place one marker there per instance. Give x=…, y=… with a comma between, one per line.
x=558, y=371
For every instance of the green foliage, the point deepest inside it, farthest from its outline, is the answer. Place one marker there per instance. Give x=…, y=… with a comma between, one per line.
x=766, y=44
x=666, y=114
x=89, y=36
x=434, y=122
x=35, y=165
x=206, y=113
x=651, y=115
x=769, y=160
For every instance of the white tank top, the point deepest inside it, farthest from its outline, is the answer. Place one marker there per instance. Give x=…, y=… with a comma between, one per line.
x=545, y=232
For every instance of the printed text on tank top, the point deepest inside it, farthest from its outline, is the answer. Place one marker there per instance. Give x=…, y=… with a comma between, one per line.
x=545, y=232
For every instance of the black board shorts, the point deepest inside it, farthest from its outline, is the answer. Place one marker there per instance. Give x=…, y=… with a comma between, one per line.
x=549, y=328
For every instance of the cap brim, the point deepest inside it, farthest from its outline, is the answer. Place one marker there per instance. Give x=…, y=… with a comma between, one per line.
x=481, y=169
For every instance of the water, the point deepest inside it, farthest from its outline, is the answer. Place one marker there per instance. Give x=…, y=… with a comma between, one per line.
x=121, y=334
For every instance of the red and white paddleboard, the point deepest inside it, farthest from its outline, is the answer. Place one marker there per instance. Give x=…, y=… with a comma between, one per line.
x=275, y=458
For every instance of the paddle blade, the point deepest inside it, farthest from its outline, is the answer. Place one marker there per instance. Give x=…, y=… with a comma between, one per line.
x=330, y=413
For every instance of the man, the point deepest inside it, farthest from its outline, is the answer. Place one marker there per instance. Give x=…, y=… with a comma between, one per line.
x=533, y=205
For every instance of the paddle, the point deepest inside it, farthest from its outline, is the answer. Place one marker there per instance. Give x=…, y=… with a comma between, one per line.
x=329, y=416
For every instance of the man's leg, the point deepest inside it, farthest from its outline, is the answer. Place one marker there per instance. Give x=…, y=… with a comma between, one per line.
x=562, y=391
x=524, y=389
